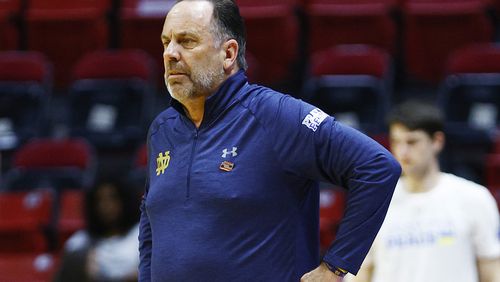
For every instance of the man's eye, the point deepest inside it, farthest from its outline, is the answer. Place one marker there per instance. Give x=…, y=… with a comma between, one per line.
x=188, y=43
x=411, y=142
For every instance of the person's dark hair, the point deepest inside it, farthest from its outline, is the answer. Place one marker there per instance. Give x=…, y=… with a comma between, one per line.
x=417, y=115
x=130, y=207
x=228, y=24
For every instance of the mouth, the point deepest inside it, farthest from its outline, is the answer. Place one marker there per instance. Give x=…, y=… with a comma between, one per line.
x=176, y=75
x=176, y=72
x=405, y=163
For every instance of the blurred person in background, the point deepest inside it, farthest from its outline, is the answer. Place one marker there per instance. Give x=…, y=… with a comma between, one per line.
x=232, y=190
x=107, y=250
x=439, y=227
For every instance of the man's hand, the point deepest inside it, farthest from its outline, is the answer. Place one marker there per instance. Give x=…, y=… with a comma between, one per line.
x=320, y=274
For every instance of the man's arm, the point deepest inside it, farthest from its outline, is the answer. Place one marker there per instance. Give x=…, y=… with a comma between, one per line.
x=365, y=273
x=321, y=273
x=370, y=174
x=486, y=228
x=315, y=146
x=489, y=270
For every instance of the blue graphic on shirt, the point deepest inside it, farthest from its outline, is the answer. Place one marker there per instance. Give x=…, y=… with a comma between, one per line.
x=418, y=235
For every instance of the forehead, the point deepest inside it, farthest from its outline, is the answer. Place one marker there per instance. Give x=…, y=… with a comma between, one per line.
x=188, y=16
x=401, y=131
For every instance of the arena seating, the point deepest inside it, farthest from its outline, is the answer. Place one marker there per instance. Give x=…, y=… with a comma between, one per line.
x=52, y=163
x=33, y=267
x=25, y=80
x=24, y=219
x=65, y=30
x=470, y=102
x=352, y=82
x=10, y=15
x=434, y=29
x=111, y=95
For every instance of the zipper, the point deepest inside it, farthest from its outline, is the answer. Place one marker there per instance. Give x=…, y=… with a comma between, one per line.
x=188, y=186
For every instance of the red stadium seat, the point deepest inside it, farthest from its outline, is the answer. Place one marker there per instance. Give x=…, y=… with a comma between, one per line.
x=25, y=80
x=331, y=211
x=496, y=7
x=493, y=171
x=479, y=2
x=469, y=93
x=272, y=38
x=496, y=146
x=141, y=158
x=351, y=59
x=434, y=29
x=352, y=83
x=115, y=64
x=480, y=58
x=351, y=22
x=112, y=98
x=26, y=66
x=496, y=195
x=141, y=24
x=24, y=217
x=469, y=97
x=28, y=267
x=254, y=67
x=382, y=139
x=64, y=30
x=48, y=153
x=48, y=163
x=9, y=19
x=71, y=214
x=138, y=172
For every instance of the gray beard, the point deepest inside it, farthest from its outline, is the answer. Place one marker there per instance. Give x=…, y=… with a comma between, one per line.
x=204, y=83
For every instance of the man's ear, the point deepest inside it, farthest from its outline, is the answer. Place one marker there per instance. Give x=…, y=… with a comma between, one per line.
x=230, y=48
x=438, y=141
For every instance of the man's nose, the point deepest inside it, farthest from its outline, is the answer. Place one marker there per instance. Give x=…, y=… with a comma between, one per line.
x=404, y=150
x=171, y=52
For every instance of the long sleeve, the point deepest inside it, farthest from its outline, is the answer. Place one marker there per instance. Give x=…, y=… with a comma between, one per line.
x=314, y=145
x=370, y=182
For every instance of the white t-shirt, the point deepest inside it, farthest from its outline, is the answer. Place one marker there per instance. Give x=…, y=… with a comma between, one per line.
x=117, y=257
x=436, y=236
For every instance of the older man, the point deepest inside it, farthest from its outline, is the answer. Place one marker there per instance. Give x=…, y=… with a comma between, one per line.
x=233, y=168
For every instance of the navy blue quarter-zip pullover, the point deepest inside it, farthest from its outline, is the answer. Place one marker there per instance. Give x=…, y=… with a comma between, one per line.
x=237, y=200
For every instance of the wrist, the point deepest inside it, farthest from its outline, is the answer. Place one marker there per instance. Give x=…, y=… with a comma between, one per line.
x=336, y=270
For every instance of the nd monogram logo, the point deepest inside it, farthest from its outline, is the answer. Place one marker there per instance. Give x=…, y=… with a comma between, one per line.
x=162, y=162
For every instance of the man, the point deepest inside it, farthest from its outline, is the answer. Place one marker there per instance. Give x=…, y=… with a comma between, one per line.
x=232, y=192
x=439, y=227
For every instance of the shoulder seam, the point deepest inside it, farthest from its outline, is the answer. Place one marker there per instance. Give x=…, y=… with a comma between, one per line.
x=157, y=125
x=261, y=125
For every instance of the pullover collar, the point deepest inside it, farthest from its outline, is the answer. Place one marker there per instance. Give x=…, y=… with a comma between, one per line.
x=227, y=93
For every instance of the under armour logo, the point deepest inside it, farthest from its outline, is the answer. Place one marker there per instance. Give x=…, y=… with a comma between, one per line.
x=162, y=162
x=233, y=153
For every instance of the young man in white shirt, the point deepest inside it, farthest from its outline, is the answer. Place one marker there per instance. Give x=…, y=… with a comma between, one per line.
x=439, y=227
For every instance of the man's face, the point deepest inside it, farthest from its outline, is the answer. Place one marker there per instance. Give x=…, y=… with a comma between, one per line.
x=192, y=58
x=414, y=149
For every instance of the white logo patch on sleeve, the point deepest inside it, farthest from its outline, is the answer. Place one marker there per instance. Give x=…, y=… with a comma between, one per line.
x=314, y=119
